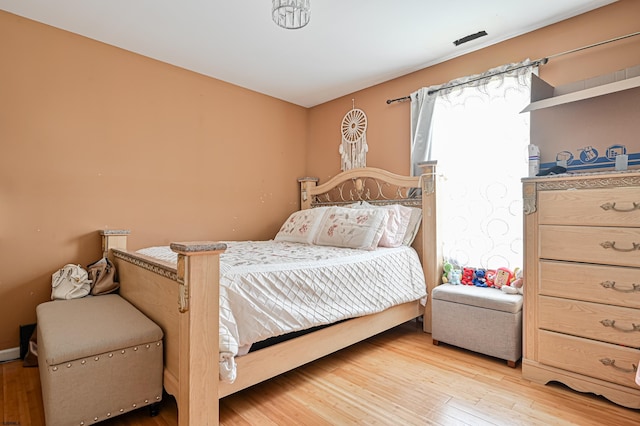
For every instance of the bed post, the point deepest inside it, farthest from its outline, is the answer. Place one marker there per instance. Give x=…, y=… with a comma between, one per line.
x=113, y=239
x=431, y=256
x=198, y=272
x=306, y=183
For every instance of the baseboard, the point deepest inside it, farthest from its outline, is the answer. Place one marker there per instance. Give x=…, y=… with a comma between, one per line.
x=10, y=354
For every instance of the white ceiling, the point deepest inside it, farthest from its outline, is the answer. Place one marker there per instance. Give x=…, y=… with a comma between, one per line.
x=348, y=45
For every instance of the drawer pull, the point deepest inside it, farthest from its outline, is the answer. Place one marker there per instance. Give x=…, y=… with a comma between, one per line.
x=612, y=363
x=612, y=285
x=612, y=324
x=612, y=244
x=612, y=206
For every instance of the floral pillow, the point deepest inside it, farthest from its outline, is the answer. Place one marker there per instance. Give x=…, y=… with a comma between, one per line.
x=302, y=226
x=352, y=228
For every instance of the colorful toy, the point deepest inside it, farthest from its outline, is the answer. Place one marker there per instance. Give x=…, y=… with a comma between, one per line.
x=503, y=277
x=479, y=279
x=467, y=276
x=455, y=275
x=491, y=277
x=516, y=286
x=446, y=271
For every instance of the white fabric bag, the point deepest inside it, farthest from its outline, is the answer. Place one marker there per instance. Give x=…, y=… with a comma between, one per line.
x=70, y=282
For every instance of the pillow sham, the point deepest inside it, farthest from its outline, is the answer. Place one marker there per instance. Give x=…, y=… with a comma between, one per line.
x=414, y=224
x=301, y=226
x=352, y=228
x=397, y=225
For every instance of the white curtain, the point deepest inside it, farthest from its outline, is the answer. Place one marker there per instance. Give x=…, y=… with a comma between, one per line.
x=479, y=139
x=422, y=106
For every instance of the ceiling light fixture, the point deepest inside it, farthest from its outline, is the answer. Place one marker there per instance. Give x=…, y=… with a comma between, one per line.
x=291, y=14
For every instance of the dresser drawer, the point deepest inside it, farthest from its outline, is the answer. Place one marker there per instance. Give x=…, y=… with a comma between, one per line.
x=614, y=246
x=593, y=207
x=608, y=323
x=603, y=361
x=613, y=285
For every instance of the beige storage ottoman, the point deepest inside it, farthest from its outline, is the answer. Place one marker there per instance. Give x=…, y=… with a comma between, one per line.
x=99, y=357
x=484, y=320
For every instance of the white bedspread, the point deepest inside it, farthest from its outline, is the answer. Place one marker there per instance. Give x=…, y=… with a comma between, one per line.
x=272, y=288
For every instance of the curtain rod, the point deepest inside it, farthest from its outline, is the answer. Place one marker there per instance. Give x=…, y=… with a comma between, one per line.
x=541, y=61
x=445, y=86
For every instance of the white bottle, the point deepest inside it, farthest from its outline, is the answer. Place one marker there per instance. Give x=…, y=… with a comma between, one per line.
x=534, y=160
x=622, y=162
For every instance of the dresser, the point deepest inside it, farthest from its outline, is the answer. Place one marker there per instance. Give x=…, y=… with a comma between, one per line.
x=582, y=283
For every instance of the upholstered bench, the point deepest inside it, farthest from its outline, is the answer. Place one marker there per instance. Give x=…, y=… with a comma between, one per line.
x=99, y=357
x=484, y=320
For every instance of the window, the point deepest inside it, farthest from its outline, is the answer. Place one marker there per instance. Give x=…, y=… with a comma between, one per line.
x=479, y=139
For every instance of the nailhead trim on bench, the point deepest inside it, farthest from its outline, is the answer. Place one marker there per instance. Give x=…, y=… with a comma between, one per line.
x=133, y=406
x=97, y=358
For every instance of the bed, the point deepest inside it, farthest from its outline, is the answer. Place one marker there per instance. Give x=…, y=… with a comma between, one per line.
x=182, y=295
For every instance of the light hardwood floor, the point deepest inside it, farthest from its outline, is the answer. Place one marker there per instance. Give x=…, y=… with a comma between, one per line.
x=396, y=378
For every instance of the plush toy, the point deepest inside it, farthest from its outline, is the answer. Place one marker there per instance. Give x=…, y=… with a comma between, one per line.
x=479, y=279
x=491, y=277
x=503, y=277
x=467, y=276
x=516, y=286
x=446, y=272
x=455, y=275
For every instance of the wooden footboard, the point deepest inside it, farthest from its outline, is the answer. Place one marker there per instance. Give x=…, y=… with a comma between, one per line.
x=183, y=301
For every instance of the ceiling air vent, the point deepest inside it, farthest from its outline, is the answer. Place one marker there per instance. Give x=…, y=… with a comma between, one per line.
x=470, y=37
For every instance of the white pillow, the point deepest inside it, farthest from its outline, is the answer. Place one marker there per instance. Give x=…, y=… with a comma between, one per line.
x=396, y=228
x=352, y=228
x=302, y=226
x=414, y=224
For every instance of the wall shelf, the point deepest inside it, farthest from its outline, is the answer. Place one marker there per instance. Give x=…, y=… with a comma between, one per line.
x=591, y=92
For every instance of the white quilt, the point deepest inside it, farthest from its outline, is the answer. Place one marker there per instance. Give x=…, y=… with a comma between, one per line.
x=272, y=288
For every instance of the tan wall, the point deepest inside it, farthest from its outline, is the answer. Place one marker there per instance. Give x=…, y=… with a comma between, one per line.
x=388, y=131
x=96, y=137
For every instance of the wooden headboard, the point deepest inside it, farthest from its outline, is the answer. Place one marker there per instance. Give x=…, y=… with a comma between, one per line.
x=380, y=187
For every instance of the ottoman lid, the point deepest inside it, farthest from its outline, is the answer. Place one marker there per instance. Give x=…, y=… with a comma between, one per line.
x=482, y=297
x=80, y=328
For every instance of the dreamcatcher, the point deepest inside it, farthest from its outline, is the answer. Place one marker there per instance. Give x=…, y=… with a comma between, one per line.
x=353, y=150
